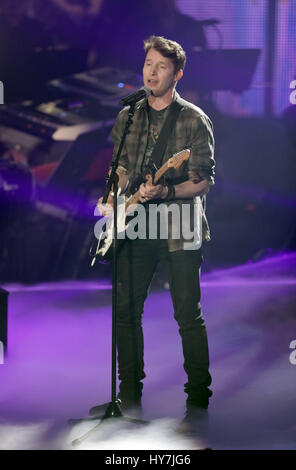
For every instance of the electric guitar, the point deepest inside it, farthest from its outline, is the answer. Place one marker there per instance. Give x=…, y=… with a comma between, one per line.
x=104, y=252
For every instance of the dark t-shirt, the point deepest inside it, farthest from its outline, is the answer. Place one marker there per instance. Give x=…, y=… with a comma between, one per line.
x=156, y=121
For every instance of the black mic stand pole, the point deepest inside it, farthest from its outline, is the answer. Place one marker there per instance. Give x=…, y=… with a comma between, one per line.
x=113, y=408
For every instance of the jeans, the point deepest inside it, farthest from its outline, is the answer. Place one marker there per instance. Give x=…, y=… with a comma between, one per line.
x=137, y=261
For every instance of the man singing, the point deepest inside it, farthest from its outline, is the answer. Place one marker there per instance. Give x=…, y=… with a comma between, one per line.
x=138, y=258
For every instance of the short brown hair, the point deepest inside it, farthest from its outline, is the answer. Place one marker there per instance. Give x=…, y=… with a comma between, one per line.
x=167, y=48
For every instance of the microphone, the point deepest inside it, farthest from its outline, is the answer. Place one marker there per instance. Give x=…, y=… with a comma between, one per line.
x=136, y=96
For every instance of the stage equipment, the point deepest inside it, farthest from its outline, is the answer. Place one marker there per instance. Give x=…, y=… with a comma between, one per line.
x=105, y=84
x=113, y=409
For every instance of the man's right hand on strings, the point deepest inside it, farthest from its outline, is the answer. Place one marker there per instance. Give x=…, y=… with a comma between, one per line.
x=106, y=210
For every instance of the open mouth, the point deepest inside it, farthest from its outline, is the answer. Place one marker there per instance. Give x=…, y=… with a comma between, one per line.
x=152, y=82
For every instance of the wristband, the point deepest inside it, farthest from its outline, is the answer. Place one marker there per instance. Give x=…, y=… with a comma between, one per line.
x=171, y=192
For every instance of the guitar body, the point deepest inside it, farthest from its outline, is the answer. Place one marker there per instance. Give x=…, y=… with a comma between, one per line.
x=104, y=251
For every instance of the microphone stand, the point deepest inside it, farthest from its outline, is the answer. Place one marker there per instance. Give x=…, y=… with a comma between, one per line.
x=113, y=409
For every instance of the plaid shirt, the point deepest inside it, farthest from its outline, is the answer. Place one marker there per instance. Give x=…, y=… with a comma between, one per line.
x=193, y=130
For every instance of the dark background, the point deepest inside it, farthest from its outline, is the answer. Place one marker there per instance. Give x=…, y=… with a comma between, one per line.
x=240, y=63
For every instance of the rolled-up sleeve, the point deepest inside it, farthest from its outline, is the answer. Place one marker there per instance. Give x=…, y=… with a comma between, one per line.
x=116, y=134
x=201, y=162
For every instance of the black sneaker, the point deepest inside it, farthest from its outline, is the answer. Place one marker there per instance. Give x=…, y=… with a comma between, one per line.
x=195, y=423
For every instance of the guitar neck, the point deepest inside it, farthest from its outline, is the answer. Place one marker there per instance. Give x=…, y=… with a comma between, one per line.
x=159, y=174
x=134, y=199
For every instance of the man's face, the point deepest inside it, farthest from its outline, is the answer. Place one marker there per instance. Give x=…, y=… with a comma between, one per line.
x=159, y=73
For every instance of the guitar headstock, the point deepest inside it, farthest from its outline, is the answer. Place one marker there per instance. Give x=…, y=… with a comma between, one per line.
x=177, y=159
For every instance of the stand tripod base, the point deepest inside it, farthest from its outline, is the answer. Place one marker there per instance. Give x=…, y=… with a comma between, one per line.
x=113, y=411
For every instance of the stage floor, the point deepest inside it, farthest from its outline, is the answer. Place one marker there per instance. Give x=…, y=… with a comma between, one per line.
x=59, y=360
